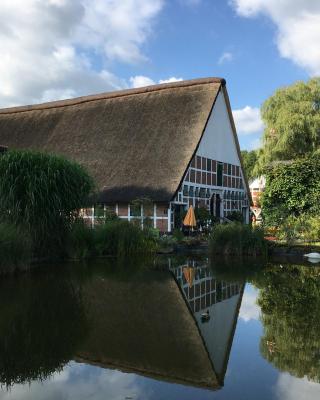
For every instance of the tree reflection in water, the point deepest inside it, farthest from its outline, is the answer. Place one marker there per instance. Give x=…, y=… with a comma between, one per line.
x=290, y=303
x=289, y=298
x=41, y=324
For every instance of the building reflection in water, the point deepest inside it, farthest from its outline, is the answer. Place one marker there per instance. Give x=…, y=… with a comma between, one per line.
x=142, y=323
x=215, y=306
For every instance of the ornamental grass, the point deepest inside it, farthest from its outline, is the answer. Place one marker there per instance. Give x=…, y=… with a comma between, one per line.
x=237, y=239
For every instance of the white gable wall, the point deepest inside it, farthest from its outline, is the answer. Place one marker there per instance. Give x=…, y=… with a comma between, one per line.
x=218, y=141
x=201, y=186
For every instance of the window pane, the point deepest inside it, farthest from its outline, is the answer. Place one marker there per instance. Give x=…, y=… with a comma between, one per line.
x=99, y=211
x=219, y=173
x=135, y=210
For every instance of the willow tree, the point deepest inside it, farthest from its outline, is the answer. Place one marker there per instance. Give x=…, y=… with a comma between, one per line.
x=249, y=159
x=292, y=122
x=41, y=193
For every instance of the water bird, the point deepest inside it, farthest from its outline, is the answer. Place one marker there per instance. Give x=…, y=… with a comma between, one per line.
x=312, y=255
x=205, y=316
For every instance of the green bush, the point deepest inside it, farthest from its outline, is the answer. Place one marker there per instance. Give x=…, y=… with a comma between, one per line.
x=237, y=239
x=42, y=193
x=292, y=190
x=178, y=235
x=122, y=238
x=81, y=243
x=114, y=237
x=305, y=228
x=236, y=216
x=15, y=248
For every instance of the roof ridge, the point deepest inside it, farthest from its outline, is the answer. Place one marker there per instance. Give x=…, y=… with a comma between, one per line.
x=111, y=95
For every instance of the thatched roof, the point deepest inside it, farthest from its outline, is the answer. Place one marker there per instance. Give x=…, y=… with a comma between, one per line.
x=143, y=325
x=135, y=143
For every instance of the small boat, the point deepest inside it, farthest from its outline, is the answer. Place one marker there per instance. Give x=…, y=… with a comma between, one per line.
x=312, y=255
x=205, y=316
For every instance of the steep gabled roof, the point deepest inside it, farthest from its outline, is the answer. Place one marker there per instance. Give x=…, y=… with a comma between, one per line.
x=157, y=338
x=135, y=142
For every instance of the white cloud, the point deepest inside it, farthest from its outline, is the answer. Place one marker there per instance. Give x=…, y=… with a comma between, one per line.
x=225, y=57
x=48, y=46
x=249, y=309
x=248, y=120
x=291, y=388
x=297, y=22
x=80, y=381
x=140, y=81
x=170, y=80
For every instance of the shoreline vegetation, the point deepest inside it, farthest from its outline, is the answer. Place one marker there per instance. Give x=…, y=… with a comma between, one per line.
x=237, y=239
x=39, y=194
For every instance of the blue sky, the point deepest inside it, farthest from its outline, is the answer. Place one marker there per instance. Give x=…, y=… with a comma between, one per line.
x=53, y=49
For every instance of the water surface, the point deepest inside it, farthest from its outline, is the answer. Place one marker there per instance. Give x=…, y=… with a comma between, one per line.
x=171, y=328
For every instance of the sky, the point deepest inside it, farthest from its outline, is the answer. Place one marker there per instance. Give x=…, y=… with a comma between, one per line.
x=56, y=49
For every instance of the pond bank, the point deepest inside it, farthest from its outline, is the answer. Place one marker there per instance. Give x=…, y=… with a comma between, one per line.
x=280, y=249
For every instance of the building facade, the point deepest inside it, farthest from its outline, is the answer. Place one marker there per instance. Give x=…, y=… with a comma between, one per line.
x=153, y=151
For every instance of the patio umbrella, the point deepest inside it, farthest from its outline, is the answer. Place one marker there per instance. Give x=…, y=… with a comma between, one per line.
x=189, y=274
x=190, y=219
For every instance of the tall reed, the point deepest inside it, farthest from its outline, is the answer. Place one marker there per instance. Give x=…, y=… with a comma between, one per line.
x=42, y=193
x=115, y=237
x=237, y=239
x=15, y=248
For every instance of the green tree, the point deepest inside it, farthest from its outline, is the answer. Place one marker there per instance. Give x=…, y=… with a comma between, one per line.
x=292, y=189
x=292, y=122
x=42, y=193
x=249, y=159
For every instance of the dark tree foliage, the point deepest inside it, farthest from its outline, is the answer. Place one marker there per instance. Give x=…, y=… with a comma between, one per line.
x=292, y=189
x=41, y=193
x=249, y=159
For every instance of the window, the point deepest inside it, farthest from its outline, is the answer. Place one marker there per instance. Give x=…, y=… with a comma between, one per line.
x=229, y=169
x=191, y=191
x=135, y=210
x=185, y=190
x=208, y=164
x=219, y=173
x=99, y=211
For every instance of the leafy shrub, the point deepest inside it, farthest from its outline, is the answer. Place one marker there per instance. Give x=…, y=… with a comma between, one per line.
x=236, y=216
x=15, y=248
x=178, y=235
x=167, y=241
x=122, y=238
x=302, y=228
x=237, y=239
x=81, y=243
x=292, y=189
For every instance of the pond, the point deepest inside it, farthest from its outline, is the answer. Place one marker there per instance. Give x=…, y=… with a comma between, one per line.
x=182, y=327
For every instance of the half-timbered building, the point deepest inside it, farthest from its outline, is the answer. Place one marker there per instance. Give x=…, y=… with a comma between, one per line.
x=174, y=144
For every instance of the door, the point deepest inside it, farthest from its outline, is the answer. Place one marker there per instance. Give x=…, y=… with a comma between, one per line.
x=215, y=205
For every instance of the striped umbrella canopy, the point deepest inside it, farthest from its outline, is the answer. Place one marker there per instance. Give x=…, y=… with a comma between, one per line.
x=189, y=274
x=190, y=218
